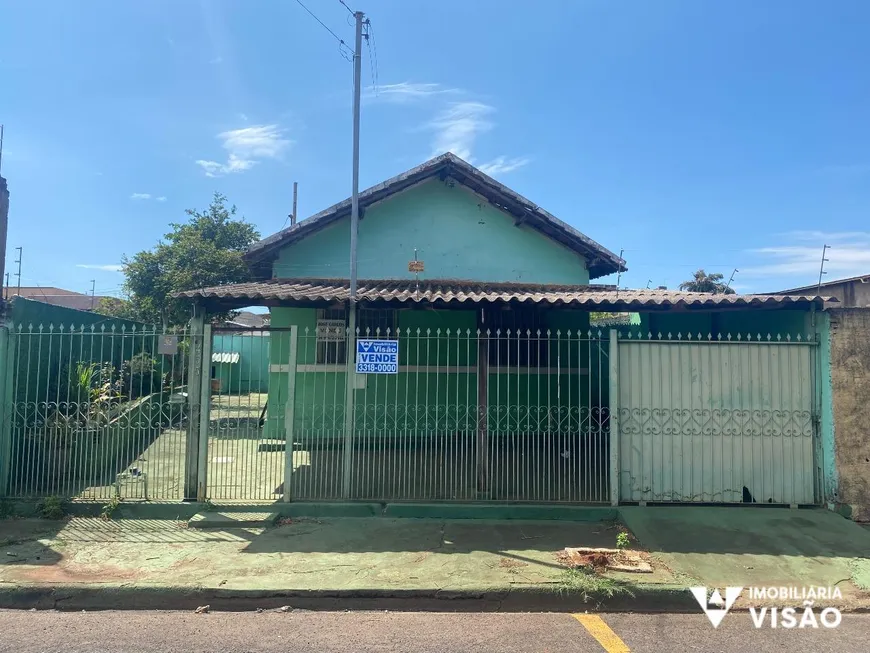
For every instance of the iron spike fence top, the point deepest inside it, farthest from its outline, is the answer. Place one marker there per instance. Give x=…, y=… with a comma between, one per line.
x=736, y=337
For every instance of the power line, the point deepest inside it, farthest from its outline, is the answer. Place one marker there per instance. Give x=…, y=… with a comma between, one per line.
x=346, y=7
x=373, y=60
x=341, y=44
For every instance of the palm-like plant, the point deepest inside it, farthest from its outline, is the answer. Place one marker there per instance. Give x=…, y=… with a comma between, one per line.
x=709, y=283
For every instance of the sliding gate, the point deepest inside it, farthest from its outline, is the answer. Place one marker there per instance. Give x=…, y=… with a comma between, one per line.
x=722, y=420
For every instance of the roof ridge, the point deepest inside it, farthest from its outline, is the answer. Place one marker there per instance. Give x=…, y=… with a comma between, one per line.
x=602, y=260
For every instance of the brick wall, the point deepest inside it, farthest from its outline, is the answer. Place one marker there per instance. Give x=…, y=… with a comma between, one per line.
x=850, y=373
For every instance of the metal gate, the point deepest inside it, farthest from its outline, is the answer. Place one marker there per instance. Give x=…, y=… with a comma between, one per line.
x=726, y=420
x=472, y=415
x=94, y=411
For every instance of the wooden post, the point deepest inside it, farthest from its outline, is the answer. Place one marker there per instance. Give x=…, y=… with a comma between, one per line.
x=482, y=416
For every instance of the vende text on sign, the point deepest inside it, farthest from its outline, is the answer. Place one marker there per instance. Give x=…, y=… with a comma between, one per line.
x=377, y=356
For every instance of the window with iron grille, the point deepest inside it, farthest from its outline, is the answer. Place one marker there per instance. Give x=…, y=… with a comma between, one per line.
x=513, y=336
x=371, y=323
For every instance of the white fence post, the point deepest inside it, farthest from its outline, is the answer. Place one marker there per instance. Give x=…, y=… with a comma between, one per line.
x=290, y=411
x=614, y=417
x=195, y=375
x=204, y=415
x=7, y=364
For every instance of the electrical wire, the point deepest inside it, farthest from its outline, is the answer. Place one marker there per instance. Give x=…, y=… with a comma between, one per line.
x=373, y=60
x=341, y=43
x=346, y=7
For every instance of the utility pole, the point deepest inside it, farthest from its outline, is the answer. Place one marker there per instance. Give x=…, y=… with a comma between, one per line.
x=4, y=221
x=18, y=274
x=822, y=268
x=93, y=289
x=728, y=285
x=350, y=398
x=4, y=227
x=295, y=192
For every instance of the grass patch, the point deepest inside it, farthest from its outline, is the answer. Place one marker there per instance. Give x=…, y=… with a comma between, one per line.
x=51, y=508
x=591, y=585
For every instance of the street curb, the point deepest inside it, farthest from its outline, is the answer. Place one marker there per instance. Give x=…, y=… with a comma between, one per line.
x=646, y=599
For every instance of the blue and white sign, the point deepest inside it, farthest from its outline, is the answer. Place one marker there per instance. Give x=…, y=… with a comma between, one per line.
x=377, y=356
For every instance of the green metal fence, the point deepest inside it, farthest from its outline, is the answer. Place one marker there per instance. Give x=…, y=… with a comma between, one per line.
x=500, y=415
x=91, y=412
x=718, y=419
x=94, y=411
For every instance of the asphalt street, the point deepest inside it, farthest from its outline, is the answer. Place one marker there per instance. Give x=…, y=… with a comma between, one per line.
x=302, y=631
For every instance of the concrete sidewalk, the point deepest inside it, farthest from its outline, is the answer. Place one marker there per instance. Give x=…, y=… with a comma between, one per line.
x=87, y=563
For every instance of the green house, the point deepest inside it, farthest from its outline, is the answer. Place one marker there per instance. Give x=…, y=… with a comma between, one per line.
x=500, y=388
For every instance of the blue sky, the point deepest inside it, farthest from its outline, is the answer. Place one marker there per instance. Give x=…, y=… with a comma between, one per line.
x=690, y=134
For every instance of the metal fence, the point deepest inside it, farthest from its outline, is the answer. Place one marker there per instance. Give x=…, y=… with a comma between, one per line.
x=726, y=419
x=513, y=415
x=245, y=451
x=470, y=415
x=94, y=411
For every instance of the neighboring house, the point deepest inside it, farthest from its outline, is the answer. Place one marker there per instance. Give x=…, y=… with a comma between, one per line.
x=853, y=292
x=240, y=353
x=501, y=389
x=57, y=297
x=850, y=372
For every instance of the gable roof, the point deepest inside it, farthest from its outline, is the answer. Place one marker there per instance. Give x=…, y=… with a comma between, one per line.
x=58, y=297
x=600, y=260
x=864, y=278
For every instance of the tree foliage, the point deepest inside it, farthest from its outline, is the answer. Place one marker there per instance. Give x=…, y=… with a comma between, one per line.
x=709, y=283
x=204, y=251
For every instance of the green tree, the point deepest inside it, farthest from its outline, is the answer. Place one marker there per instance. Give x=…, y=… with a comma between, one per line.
x=204, y=251
x=709, y=283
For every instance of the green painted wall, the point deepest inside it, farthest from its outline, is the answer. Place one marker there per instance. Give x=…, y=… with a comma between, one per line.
x=27, y=311
x=827, y=462
x=251, y=373
x=725, y=322
x=46, y=354
x=457, y=234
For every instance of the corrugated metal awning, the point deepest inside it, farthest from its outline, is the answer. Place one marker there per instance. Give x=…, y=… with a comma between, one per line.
x=439, y=292
x=226, y=357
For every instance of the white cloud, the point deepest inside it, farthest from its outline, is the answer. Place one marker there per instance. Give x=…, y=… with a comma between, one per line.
x=105, y=268
x=147, y=196
x=246, y=147
x=849, y=255
x=212, y=168
x=503, y=164
x=405, y=92
x=457, y=127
